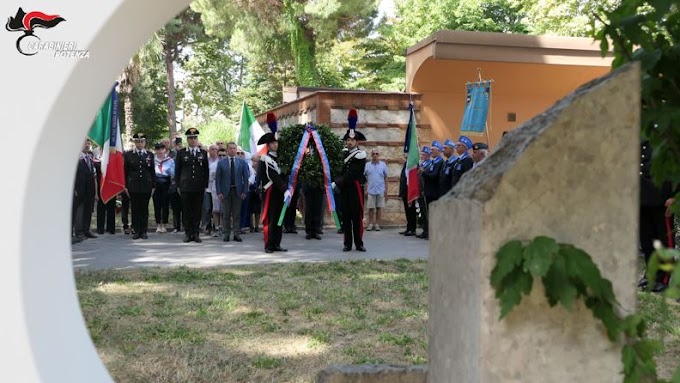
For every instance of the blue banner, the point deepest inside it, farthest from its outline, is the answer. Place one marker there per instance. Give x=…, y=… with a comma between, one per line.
x=476, y=106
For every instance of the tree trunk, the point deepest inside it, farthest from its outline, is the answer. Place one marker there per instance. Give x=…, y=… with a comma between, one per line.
x=169, y=53
x=303, y=49
x=129, y=120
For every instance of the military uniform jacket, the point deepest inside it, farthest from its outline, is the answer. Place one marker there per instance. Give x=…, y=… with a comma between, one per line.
x=191, y=172
x=269, y=173
x=446, y=174
x=462, y=165
x=352, y=168
x=139, y=171
x=431, y=178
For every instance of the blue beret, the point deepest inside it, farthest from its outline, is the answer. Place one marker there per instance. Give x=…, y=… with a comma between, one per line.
x=449, y=143
x=465, y=141
x=437, y=144
x=426, y=150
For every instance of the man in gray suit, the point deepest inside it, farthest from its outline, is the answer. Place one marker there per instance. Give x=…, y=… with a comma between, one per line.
x=231, y=183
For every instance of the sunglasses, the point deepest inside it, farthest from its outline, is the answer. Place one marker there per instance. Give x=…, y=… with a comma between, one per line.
x=239, y=153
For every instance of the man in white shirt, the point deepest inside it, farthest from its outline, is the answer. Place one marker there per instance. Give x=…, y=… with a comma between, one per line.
x=376, y=179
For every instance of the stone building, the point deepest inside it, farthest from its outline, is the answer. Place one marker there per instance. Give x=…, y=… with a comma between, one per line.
x=383, y=118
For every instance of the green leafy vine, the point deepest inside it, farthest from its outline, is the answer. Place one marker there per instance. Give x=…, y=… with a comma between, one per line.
x=569, y=273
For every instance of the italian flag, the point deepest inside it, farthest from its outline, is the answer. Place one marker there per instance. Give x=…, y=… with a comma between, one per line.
x=413, y=157
x=250, y=132
x=105, y=132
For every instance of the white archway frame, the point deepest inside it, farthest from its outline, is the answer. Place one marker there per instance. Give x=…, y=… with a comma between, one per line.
x=47, y=106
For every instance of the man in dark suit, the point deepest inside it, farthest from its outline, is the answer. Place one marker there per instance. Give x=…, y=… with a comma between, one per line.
x=351, y=183
x=139, y=183
x=654, y=215
x=231, y=184
x=192, y=175
x=274, y=186
x=106, y=212
x=173, y=195
x=84, y=194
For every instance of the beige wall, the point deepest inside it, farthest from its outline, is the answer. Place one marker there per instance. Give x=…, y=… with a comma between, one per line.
x=525, y=89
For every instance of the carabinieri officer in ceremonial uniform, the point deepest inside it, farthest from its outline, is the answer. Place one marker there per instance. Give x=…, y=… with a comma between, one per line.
x=191, y=178
x=139, y=182
x=351, y=183
x=274, y=186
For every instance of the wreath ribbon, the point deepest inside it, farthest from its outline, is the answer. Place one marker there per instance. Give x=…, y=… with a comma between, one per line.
x=295, y=172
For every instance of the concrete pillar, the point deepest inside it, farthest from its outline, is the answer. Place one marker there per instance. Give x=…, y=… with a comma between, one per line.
x=571, y=174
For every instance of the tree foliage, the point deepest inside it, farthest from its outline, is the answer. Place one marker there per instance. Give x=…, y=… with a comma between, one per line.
x=649, y=32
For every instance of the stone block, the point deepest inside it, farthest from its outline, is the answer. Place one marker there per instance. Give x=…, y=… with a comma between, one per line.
x=569, y=173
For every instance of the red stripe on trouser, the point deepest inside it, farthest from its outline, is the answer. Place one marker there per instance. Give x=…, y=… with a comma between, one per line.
x=361, y=211
x=265, y=213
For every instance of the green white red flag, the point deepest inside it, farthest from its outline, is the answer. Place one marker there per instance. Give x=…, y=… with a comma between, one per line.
x=105, y=132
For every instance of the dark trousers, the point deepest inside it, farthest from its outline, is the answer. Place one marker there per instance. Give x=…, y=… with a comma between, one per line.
x=176, y=206
x=125, y=210
x=352, y=196
x=313, y=209
x=231, y=213
x=161, y=202
x=191, y=211
x=139, y=203
x=410, y=212
x=207, y=211
x=83, y=215
x=106, y=216
x=653, y=227
x=425, y=211
x=245, y=212
x=271, y=210
x=289, y=218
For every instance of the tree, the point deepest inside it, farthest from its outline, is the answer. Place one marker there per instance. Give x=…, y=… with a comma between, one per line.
x=178, y=33
x=300, y=26
x=130, y=76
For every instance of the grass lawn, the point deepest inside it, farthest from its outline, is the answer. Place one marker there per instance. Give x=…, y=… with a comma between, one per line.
x=268, y=323
x=276, y=323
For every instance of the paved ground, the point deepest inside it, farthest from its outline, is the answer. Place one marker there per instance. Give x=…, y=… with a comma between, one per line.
x=167, y=249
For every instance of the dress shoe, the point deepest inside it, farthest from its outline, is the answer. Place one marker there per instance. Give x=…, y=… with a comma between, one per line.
x=75, y=240
x=237, y=238
x=659, y=287
x=90, y=234
x=144, y=236
x=268, y=250
x=187, y=238
x=403, y=232
x=135, y=236
x=340, y=231
x=361, y=248
x=226, y=238
x=308, y=236
x=100, y=232
x=197, y=238
x=316, y=236
x=279, y=248
x=346, y=248
x=409, y=234
x=126, y=230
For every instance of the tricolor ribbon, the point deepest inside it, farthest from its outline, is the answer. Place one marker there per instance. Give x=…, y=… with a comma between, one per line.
x=325, y=165
x=292, y=180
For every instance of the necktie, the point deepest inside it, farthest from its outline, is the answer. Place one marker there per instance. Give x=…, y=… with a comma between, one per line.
x=233, y=173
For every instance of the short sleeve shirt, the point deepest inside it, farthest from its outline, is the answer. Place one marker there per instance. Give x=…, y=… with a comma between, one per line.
x=375, y=176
